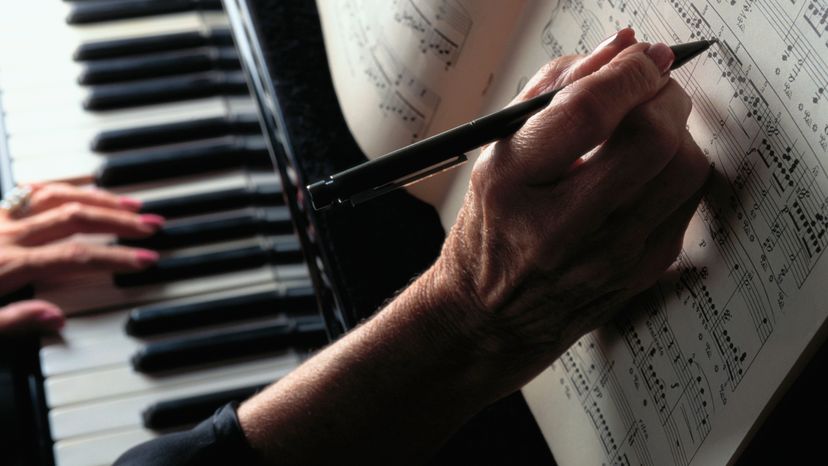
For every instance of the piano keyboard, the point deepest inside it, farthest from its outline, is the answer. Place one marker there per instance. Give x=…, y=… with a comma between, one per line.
x=149, y=102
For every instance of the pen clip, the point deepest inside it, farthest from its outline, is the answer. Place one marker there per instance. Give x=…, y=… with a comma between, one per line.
x=371, y=193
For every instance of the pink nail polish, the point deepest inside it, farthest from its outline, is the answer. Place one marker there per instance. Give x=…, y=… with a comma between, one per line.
x=146, y=257
x=152, y=220
x=51, y=320
x=130, y=203
x=661, y=55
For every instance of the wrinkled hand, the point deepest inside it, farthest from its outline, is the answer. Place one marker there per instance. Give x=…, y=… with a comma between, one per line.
x=584, y=207
x=30, y=249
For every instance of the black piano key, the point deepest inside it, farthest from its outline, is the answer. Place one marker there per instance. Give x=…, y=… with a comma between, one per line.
x=119, y=48
x=163, y=318
x=182, y=352
x=249, y=222
x=195, y=204
x=111, y=10
x=159, y=65
x=168, y=269
x=156, y=164
x=165, y=90
x=182, y=412
x=171, y=133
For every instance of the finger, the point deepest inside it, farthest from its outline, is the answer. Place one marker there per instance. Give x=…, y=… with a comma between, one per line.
x=644, y=143
x=602, y=55
x=686, y=173
x=583, y=115
x=72, y=218
x=30, y=316
x=51, y=195
x=564, y=70
x=78, y=257
x=665, y=243
x=550, y=76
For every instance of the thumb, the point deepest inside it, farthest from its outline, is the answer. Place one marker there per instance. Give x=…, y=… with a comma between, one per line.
x=30, y=316
x=585, y=113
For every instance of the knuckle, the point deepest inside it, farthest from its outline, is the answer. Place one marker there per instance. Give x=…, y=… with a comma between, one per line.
x=484, y=181
x=636, y=75
x=676, y=95
x=698, y=166
x=654, y=127
x=686, y=101
x=499, y=161
x=76, y=253
x=583, y=109
x=664, y=259
x=625, y=253
x=673, y=252
x=72, y=212
x=554, y=68
x=49, y=193
x=553, y=71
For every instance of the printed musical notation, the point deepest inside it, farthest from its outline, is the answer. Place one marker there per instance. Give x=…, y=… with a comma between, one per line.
x=760, y=116
x=441, y=27
x=401, y=95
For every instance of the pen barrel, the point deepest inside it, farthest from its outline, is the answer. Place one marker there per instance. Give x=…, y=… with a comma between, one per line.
x=416, y=158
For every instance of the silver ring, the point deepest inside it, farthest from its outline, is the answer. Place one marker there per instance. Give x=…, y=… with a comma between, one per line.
x=16, y=201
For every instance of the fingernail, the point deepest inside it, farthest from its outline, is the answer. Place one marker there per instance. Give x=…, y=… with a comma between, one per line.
x=606, y=42
x=152, y=220
x=130, y=203
x=146, y=257
x=51, y=319
x=625, y=34
x=661, y=55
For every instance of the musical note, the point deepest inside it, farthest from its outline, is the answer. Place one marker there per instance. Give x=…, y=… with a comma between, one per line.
x=402, y=97
x=760, y=232
x=442, y=28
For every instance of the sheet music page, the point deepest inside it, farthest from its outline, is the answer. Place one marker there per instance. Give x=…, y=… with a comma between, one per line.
x=682, y=378
x=407, y=69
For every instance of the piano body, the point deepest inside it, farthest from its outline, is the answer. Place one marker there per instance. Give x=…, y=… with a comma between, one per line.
x=151, y=100
x=215, y=116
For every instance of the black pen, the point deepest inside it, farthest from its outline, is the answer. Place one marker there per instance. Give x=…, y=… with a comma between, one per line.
x=447, y=149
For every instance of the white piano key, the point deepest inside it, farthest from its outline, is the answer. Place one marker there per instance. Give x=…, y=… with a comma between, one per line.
x=66, y=141
x=101, y=449
x=47, y=163
x=65, y=359
x=62, y=72
x=45, y=169
x=59, y=357
x=125, y=412
x=65, y=38
x=33, y=119
x=87, y=296
x=120, y=381
x=199, y=184
x=83, y=328
x=187, y=186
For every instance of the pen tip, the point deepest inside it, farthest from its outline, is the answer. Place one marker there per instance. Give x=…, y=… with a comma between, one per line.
x=685, y=52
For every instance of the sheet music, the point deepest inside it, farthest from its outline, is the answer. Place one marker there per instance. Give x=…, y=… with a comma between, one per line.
x=403, y=69
x=683, y=377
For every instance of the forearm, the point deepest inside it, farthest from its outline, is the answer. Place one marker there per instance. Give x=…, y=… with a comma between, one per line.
x=392, y=391
x=547, y=246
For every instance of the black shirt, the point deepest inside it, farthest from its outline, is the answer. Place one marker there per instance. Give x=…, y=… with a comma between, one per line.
x=218, y=440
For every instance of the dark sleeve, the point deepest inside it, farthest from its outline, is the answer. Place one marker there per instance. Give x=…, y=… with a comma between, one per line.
x=218, y=440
